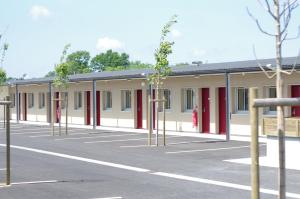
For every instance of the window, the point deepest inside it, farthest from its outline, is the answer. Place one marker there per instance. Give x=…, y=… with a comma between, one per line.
x=241, y=99
x=107, y=100
x=64, y=97
x=30, y=100
x=167, y=95
x=13, y=100
x=41, y=100
x=271, y=93
x=77, y=100
x=189, y=99
x=126, y=100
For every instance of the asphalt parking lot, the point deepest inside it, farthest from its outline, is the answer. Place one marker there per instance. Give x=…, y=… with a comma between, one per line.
x=113, y=164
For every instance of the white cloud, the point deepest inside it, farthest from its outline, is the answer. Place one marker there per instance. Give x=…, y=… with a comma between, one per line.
x=106, y=43
x=199, y=52
x=38, y=11
x=176, y=33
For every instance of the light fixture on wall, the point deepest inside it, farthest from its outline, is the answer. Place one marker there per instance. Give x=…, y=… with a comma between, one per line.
x=143, y=83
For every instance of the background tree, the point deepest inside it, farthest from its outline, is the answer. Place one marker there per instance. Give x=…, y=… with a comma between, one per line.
x=78, y=62
x=280, y=12
x=162, y=68
x=109, y=60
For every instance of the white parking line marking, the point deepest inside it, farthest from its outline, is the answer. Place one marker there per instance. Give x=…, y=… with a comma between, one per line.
x=109, y=164
x=98, y=136
x=109, y=141
x=30, y=182
x=40, y=131
x=2, y=169
x=203, y=150
x=134, y=146
x=163, y=174
x=118, y=197
x=56, y=134
x=222, y=184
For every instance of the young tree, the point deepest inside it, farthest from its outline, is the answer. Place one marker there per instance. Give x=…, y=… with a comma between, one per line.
x=281, y=14
x=162, y=68
x=60, y=82
x=3, y=49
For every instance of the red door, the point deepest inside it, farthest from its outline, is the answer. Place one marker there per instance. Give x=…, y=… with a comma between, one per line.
x=88, y=107
x=153, y=109
x=296, y=93
x=139, y=108
x=98, y=107
x=222, y=110
x=205, y=110
x=57, y=107
x=25, y=107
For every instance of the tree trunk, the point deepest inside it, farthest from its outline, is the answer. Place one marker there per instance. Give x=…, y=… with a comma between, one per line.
x=280, y=111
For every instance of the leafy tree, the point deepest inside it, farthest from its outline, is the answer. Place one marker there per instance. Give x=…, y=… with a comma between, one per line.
x=78, y=62
x=3, y=76
x=108, y=60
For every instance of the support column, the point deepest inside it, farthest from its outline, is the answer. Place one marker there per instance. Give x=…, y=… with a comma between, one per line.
x=17, y=104
x=228, y=102
x=50, y=103
x=94, y=105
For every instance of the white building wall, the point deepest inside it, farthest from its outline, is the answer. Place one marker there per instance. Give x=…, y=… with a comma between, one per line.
x=177, y=119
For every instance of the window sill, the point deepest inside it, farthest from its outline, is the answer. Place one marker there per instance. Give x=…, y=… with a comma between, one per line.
x=126, y=110
x=241, y=113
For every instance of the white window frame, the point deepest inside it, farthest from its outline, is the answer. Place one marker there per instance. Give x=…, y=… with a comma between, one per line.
x=42, y=100
x=105, y=104
x=126, y=99
x=267, y=109
x=13, y=100
x=77, y=100
x=30, y=97
x=169, y=99
x=63, y=97
x=246, y=106
x=193, y=98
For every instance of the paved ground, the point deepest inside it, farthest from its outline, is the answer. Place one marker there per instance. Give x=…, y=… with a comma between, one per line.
x=106, y=164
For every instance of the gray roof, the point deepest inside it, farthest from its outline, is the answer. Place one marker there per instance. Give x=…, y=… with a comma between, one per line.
x=211, y=68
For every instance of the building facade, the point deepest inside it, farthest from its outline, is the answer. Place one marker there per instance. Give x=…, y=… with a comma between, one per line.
x=121, y=98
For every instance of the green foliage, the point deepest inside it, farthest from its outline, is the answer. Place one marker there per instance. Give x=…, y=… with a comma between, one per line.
x=3, y=76
x=62, y=71
x=161, y=67
x=108, y=60
x=61, y=79
x=78, y=62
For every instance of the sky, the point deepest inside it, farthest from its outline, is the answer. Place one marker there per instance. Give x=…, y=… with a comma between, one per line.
x=207, y=31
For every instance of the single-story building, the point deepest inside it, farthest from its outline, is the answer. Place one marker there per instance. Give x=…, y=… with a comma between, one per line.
x=120, y=98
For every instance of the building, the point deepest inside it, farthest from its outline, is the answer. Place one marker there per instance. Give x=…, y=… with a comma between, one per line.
x=120, y=98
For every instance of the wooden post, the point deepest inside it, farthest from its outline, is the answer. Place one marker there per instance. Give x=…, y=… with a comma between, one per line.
x=164, y=121
x=157, y=113
x=66, y=103
x=149, y=122
x=7, y=142
x=255, y=182
x=4, y=116
x=59, y=117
